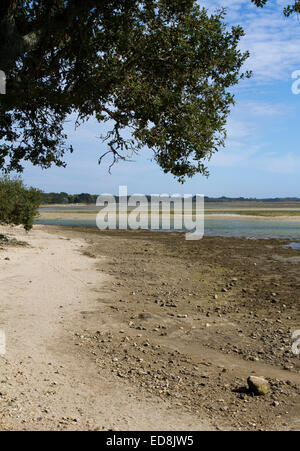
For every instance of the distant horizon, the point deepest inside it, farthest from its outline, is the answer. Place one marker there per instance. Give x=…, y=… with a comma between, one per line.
x=206, y=198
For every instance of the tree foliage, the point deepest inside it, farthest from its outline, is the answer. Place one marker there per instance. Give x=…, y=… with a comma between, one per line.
x=161, y=69
x=18, y=204
x=65, y=198
x=287, y=10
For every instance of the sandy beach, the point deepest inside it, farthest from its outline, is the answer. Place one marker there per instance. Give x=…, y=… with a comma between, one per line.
x=142, y=331
x=83, y=215
x=50, y=290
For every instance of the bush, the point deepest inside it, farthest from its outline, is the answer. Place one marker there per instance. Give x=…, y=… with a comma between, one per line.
x=18, y=204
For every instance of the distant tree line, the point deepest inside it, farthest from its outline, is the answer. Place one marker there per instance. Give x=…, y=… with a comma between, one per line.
x=251, y=199
x=65, y=198
x=85, y=198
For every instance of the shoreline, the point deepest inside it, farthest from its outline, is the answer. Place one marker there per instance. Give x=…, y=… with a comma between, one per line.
x=84, y=215
x=181, y=232
x=135, y=330
x=187, y=311
x=229, y=225
x=49, y=381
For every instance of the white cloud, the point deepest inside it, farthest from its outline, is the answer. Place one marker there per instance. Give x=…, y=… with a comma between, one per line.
x=254, y=158
x=265, y=109
x=272, y=39
x=234, y=157
x=280, y=164
x=249, y=141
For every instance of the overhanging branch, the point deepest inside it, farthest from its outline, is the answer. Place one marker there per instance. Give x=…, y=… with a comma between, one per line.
x=14, y=45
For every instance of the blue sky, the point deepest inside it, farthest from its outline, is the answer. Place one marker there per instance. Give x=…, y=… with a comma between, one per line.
x=262, y=154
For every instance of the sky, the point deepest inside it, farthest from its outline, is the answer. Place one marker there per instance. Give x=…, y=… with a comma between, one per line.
x=262, y=153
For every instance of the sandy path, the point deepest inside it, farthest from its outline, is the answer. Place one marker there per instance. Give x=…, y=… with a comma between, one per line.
x=46, y=382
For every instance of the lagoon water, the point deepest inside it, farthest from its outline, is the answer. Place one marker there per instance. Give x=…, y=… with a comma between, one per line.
x=223, y=226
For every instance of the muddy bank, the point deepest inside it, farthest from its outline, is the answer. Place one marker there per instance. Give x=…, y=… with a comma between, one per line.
x=49, y=291
x=188, y=322
x=139, y=330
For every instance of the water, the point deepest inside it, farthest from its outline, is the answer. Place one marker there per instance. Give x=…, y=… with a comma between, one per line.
x=295, y=246
x=252, y=228
x=231, y=226
x=67, y=222
x=70, y=208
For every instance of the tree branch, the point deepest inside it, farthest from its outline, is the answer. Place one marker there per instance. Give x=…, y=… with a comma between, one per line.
x=14, y=45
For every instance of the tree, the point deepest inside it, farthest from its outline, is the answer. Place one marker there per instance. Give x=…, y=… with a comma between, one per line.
x=18, y=204
x=287, y=11
x=162, y=69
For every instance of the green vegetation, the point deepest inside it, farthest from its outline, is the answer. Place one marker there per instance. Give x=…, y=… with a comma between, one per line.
x=257, y=212
x=18, y=204
x=159, y=73
x=65, y=198
x=85, y=198
x=252, y=200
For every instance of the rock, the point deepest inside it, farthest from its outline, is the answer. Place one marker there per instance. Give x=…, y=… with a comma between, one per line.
x=258, y=385
x=254, y=358
x=144, y=315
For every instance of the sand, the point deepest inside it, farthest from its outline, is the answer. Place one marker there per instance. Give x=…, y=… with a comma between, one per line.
x=48, y=381
x=84, y=215
x=133, y=330
x=189, y=322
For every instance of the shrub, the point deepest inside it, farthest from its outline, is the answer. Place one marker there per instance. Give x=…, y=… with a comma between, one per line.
x=18, y=203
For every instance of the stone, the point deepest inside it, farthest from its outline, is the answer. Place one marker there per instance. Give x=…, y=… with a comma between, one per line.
x=258, y=385
x=145, y=315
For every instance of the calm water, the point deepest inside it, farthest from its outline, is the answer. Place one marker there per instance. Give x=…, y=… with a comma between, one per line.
x=70, y=208
x=295, y=246
x=230, y=226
